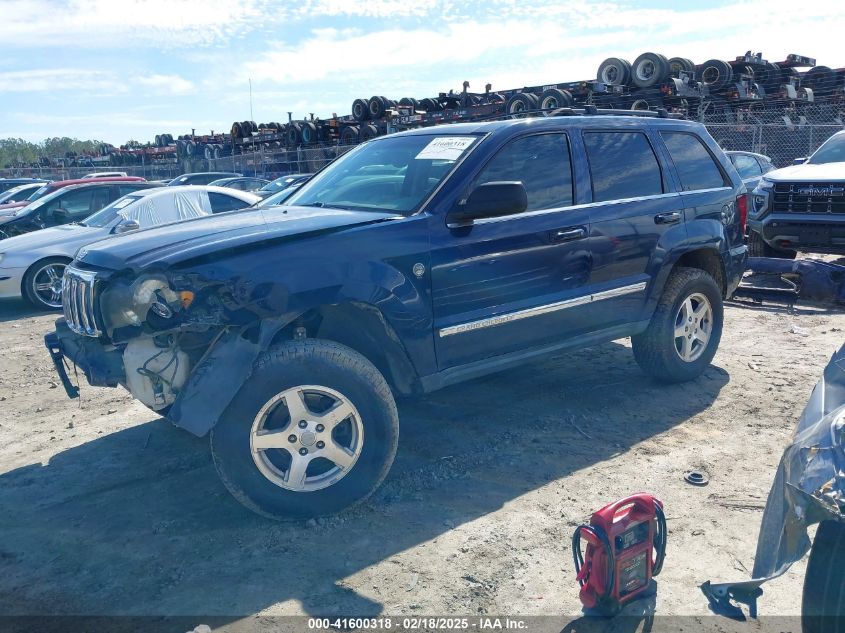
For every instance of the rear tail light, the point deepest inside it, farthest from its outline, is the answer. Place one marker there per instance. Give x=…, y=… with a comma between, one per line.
x=742, y=209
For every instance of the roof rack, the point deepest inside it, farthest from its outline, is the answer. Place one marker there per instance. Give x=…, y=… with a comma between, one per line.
x=587, y=110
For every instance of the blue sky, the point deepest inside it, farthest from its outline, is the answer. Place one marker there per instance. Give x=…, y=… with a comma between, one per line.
x=129, y=69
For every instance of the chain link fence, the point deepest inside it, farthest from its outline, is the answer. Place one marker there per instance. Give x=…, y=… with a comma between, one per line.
x=782, y=142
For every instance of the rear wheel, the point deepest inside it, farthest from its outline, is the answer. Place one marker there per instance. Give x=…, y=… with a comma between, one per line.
x=42, y=283
x=685, y=329
x=823, y=602
x=312, y=432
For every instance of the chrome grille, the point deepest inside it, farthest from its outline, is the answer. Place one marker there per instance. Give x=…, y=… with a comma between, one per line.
x=809, y=197
x=78, y=301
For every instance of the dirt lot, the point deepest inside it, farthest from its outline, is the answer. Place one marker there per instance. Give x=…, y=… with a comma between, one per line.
x=107, y=509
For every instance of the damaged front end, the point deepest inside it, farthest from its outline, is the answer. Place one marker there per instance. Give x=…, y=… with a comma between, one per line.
x=809, y=487
x=180, y=344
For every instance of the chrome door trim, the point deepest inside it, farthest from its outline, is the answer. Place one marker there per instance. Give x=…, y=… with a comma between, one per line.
x=470, y=326
x=711, y=190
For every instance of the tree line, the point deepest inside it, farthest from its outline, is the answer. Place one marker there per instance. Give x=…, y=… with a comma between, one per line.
x=14, y=151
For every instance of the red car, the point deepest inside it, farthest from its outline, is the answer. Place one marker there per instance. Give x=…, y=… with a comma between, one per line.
x=50, y=187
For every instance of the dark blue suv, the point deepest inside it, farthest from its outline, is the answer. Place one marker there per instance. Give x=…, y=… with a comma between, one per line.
x=413, y=262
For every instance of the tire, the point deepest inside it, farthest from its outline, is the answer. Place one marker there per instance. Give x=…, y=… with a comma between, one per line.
x=38, y=275
x=823, y=601
x=333, y=373
x=309, y=133
x=680, y=64
x=292, y=135
x=715, y=74
x=645, y=100
x=429, y=105
x=366, y=132
x=521, y=102
x=349, y=135
x=687, y=292
x=649, y=69
x=757, y=247
x=821, y=80
x=614, y=72
x=377, y=106
x=553, y=99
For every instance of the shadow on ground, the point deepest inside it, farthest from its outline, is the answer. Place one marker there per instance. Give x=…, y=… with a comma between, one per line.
x=14, y=309
x=137, y=523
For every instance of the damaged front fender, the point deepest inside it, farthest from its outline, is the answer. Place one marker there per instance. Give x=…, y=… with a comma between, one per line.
x=809, y=487
x=219, y=375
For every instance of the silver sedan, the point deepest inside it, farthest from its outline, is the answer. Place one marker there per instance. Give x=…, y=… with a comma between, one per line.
x=32, y=265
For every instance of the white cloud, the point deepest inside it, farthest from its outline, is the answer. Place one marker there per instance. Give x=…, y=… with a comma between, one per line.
x=167, y=84
x=96, y=82
x=529, y=45
x=122, y=23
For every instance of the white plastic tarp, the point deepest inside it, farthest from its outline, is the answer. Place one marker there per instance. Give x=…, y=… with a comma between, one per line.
x=168, y=207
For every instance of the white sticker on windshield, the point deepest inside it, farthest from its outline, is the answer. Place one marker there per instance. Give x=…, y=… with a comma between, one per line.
x=445, y=148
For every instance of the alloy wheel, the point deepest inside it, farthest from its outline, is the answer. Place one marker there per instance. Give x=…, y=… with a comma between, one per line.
x=306, y=438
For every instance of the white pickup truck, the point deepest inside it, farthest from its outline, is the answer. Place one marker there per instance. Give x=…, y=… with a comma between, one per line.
x=801, y=207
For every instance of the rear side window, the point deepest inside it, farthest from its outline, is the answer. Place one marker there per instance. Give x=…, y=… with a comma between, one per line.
x=221, y=202
x=622, y=165
x=541, y=163
x=696, y=167
x=746, y=166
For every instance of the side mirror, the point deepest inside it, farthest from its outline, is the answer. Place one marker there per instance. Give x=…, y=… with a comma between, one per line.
x=127, y=226
x=799, y=161
x=490, y=200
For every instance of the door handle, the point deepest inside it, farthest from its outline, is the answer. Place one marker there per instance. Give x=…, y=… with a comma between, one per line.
x=568, y=235
x=673, y=217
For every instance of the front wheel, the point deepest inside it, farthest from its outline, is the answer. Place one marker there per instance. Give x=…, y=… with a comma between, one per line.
x=313, y=431
x=42, y=283
x=823, y=602
x=685, y=329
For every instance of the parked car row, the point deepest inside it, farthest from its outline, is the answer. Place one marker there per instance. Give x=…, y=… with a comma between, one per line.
x=43, y=224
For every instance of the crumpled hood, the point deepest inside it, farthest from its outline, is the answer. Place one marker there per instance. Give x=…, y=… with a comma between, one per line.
x=826, y=172
x=174, y=243
x=63, y=236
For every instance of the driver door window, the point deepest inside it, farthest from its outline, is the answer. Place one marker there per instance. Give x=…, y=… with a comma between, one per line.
x=541, y=163
x=75, y=204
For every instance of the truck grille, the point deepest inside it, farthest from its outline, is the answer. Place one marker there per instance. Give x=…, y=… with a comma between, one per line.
x=807, y=197
x=78, y=301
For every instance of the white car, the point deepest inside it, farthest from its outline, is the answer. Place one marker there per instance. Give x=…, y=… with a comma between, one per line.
x=32, y=265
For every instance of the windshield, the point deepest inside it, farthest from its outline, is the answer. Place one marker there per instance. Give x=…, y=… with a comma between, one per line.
x=39, y=192
x=279, y=197
x=15, y=194
x=283, y=183
x=108, y=214
x=40, y=201
x=831, y=151
x=394, y=173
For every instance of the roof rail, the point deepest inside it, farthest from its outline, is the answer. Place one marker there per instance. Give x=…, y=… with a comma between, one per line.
x=587, y=110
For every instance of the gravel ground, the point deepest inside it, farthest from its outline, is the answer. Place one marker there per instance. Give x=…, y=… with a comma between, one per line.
x=107, y=509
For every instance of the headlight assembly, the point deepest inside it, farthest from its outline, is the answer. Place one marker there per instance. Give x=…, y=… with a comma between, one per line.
x=130, y=304
x=760, y=198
